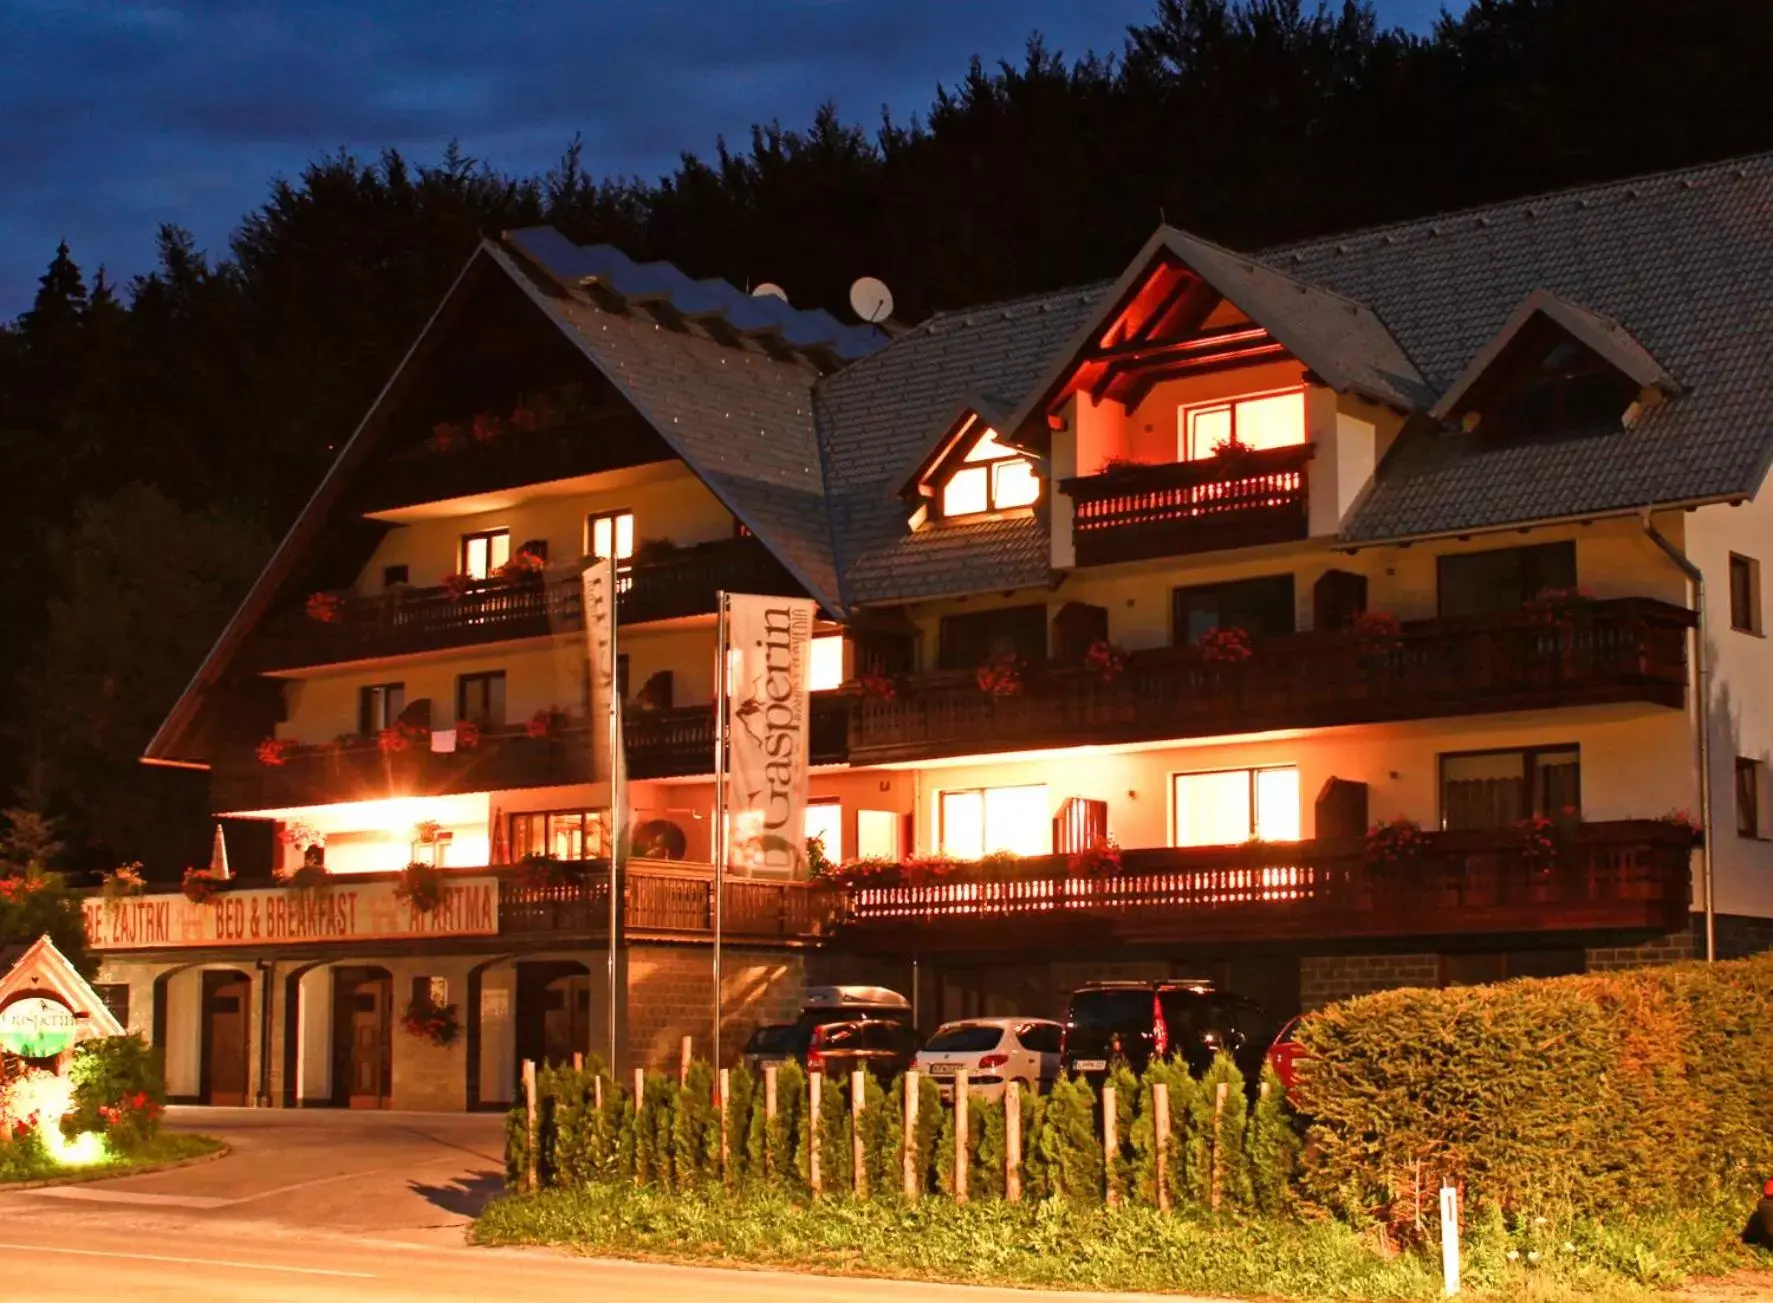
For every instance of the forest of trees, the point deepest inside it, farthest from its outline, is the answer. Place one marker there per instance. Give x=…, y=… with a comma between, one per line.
x=160, y=435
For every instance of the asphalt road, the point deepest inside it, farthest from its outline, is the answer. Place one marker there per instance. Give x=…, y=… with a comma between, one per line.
x=320, y=1205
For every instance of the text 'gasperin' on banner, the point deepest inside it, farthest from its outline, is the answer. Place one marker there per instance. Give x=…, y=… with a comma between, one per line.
x=769, y=732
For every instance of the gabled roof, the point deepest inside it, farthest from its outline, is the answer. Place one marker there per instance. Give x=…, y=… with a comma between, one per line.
x=879, y=416
x=741, y=420
x=1604, y=337
x=974, y=413
x=1683, y=260
x=44, y=970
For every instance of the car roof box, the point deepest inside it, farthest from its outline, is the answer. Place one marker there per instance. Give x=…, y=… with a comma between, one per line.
x=854, y=997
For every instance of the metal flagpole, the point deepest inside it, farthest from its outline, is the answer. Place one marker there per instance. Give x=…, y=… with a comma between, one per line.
x=617, y=832
x=721, y=688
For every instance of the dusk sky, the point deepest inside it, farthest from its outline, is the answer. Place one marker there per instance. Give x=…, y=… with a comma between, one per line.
x=120, y=116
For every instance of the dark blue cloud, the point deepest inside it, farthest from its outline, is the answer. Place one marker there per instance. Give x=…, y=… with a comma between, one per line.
x=120, y=115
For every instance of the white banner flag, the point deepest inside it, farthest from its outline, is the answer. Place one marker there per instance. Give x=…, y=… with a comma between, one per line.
x=769, y=732
x=599, y=582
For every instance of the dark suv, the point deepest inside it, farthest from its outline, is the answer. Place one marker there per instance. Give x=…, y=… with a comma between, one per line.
x=1139, y=1021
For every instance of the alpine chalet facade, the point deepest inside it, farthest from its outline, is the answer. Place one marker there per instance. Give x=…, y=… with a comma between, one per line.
x=1156, y=596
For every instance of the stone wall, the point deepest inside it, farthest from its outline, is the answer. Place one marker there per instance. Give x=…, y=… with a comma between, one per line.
x=671, y=995
x=1325, y=979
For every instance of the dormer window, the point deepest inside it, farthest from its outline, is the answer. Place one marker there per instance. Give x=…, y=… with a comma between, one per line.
x=991, y=477
x=1569, y=390
x=1257, y=422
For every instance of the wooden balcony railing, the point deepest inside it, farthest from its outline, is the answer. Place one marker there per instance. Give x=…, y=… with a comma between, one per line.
x=497, y=610
x=660, y=744
x=1627, y=649
x=667, y=900
x=1627, y=876
x=1136, y=512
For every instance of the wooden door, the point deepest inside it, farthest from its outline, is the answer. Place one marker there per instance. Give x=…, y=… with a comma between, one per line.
x=369, y=1027
x=227, y=1001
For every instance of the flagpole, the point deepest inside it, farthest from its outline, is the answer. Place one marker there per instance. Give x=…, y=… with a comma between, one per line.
x=617, y=833
x=721, y=689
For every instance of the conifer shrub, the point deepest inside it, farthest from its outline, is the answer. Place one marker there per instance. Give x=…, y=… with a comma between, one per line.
x=1142, y=1135
x=1600, y=1093
x=1070, y=1150
x=1216, y=1138
x=770, y=1147
x=883, y=1129
x=836, y=1159
x=695, y=1130
x=742, y=1096
x=1119, y=1173
x=984, y=1149
x=654, y=1125
x=1271, y=1146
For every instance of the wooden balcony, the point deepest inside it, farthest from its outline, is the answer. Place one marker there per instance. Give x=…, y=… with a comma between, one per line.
x=1627, y=649
x=1137, y=512
x=1625, y=877
x=498, y=610
x=661, y=744
x=669, y=901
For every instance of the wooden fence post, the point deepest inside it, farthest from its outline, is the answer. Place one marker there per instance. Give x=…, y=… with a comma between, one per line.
x=597, y=1091
x=1110, y=1148
x=769, y=1116
x=683, y=1065
x=639, y=1096
x=961, y=1085
x=1012, y=1142
x=578, y=1061
x=815, y=1088
x=1160, y=1120
x=529, y=1096
x=858, y=1157
x=1219, y=1097
x=908, y=1145
x=726, y=1085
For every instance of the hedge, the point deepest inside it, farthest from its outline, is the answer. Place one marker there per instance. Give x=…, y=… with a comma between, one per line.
x=671, y=1141
x=1596, y=1094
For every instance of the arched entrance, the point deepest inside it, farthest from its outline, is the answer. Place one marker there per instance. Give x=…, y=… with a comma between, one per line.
x=224, y=1072
x=362, y=1037
x=553, y=1011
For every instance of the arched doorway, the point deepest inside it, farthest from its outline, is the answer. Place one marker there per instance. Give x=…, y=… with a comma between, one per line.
x=362, y=1037
x=224, y=1072
x=553, y=1011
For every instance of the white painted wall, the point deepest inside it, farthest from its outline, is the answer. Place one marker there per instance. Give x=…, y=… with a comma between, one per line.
x=1741, y=705
x=184, y=1032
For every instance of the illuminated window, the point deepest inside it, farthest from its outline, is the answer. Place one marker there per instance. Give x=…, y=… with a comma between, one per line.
x=1233, y=805
x=993, y=478
x=485, y=552
x=1269, y=421
x=824, y=820
x=612, y=535
x=826, y=670
x=878, y=834
x=564, y=834
x=980, y=820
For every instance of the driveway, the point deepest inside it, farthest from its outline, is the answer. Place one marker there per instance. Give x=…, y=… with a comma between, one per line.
x=318, y=1206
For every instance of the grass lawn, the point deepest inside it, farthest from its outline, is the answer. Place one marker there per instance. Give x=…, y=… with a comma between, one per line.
x=1058, y=1247
x=28, y=1163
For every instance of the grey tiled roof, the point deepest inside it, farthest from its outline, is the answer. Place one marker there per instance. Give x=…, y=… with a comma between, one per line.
x=877, y=417
x=1682, y=260
x=1340, y=339
x=741, y=419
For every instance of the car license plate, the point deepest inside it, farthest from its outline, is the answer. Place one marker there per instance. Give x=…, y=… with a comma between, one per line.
x=1090, y=1065
x=944, y=1069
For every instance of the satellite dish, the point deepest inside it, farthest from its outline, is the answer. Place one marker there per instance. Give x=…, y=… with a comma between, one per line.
x=871, y=300
x=770, y=290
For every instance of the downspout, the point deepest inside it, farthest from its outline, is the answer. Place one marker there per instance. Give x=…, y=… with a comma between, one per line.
x=1702, y=723
x=266, y=970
